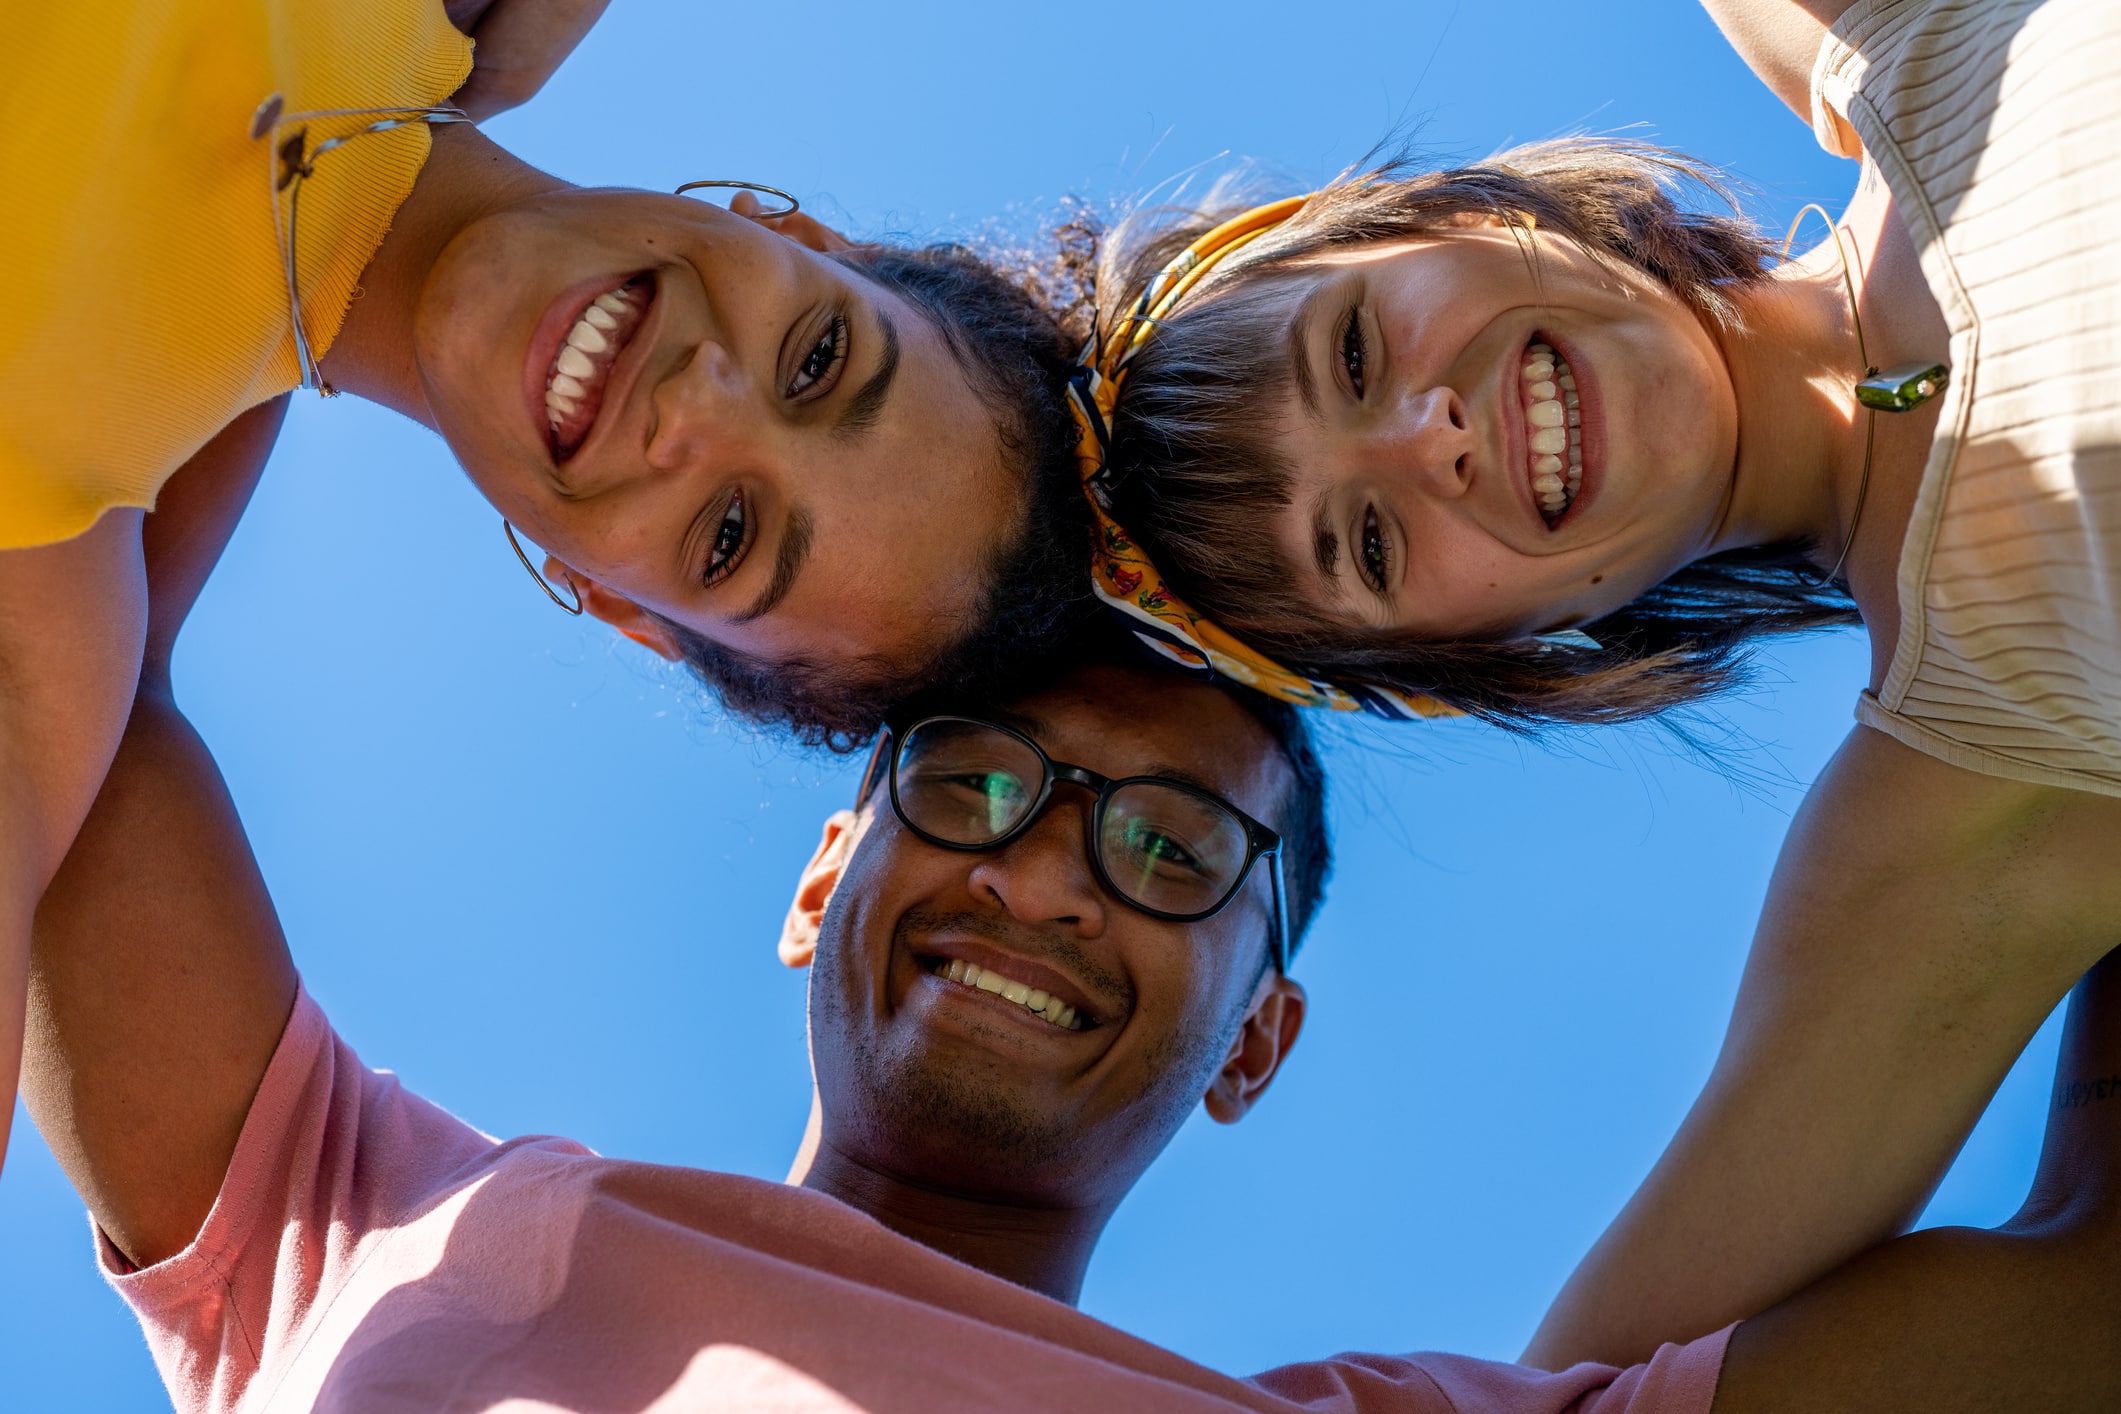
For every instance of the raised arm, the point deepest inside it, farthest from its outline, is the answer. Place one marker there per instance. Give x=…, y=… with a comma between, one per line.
x=160, y=981
x=1779, y=39
x=71, y=620
x=2027, y=1316
x=1921, y=923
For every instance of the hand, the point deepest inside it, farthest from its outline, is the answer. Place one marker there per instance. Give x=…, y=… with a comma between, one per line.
x=519, y=45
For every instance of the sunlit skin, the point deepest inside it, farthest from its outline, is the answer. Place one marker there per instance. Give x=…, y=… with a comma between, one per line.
x=962, y=1119
x=735, y=413
x=1413, y=507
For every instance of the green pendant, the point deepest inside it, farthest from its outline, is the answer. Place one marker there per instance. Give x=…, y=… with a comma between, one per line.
x=1903, y=386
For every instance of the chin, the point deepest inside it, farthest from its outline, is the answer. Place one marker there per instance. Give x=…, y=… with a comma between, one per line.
x=940, y=1123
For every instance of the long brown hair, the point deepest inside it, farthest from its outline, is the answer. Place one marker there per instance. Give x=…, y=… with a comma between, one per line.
x=1198, y=479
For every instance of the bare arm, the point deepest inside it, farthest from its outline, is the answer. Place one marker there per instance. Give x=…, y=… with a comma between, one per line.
x=72, y=617
x=160, y=981
x=1779, y=39
x=519, y=44
x=1921, y=923
x=2025, y=1317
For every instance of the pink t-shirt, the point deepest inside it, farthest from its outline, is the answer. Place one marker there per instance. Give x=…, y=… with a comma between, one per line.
x=370, y=1253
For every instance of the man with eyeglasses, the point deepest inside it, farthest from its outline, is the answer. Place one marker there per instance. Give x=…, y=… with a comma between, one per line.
x=1048, y=929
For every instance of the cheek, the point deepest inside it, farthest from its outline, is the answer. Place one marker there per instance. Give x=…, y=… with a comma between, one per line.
x=1473, y=585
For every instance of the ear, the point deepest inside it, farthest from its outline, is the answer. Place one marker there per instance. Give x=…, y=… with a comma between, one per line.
x=1258, y=1049
x=798, y=226
x=814, y=890
x=617, y=610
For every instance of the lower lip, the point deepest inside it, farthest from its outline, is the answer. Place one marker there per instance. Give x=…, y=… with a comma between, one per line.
x=1593, y=433
x=545, y=341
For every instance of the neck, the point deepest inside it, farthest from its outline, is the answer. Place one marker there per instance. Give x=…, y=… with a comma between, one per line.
x=466, y=176
x=1800, y=432
x=1045, y=1249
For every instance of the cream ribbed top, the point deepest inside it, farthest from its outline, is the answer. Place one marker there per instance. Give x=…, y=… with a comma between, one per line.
x=1997, y=126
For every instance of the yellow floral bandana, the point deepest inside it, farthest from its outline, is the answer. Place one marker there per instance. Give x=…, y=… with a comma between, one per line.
x=1120, y=572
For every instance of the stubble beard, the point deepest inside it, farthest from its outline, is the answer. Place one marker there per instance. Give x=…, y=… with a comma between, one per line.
x=921, y=1112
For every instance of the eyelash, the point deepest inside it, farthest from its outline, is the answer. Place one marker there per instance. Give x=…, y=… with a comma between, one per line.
x=834, y=346
x=1354, y=349
x=1372, y=548
x=738, y=514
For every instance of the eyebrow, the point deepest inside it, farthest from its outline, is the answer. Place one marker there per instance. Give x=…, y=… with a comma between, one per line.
x=795, y=548
x=1325, y=540
x=1299, y=350
x=867, y=404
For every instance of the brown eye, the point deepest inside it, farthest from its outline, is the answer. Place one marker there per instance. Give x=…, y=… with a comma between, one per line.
x=1374, y=560
x=1354, y=352
x=728, y=541
x=820, y=367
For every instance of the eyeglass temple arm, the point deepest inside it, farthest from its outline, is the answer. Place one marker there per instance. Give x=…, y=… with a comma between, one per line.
x=1281, y=918
x=880, y=759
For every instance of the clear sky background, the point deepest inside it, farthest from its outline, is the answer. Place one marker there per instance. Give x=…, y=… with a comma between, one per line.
x=528, y=868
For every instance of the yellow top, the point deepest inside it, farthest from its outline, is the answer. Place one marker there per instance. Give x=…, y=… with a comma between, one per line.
x=146, y=300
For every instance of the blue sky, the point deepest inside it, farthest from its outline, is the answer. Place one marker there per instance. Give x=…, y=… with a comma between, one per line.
x=529, y=869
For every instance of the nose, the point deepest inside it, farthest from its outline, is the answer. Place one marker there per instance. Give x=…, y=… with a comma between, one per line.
x=700, y=408
x=1043, y=876
x=1431, y=441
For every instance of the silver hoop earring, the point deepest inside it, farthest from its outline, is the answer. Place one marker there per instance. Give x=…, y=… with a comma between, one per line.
x=543, y=583
x=792, y=207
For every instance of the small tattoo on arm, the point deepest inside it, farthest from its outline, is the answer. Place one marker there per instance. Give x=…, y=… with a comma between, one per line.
x=2075, y=1094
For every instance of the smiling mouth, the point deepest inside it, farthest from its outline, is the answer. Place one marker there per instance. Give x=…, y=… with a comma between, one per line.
x=1553, y=416
x=1047, y=1008
x=581, y=370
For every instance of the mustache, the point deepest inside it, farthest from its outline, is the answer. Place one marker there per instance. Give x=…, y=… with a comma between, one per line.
x=1036, y=944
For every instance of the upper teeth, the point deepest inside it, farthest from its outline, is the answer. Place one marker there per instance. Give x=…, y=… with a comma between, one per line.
x=1554, y=427
x=576, y=365
x=1030, y=999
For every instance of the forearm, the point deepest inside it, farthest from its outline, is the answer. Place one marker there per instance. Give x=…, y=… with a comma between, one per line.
x=2024, y=1317
x=1922, y=923
x=159, y=979
x=160, y=984
x=1779, y=39
x=72, y=626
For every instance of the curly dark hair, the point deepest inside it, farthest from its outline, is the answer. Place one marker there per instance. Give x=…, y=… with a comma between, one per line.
x=1198, y=475
x=1017, y=358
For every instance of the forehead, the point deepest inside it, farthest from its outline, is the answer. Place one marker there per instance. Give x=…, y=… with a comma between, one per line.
x=1124, y=721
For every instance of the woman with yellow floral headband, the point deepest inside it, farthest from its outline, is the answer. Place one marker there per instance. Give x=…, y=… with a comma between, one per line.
x=688, y=409
x=1539, y=441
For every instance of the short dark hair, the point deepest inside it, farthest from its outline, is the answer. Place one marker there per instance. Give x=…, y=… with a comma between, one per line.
x=1197, y=476
x=1306, y=842
x=1017, y=359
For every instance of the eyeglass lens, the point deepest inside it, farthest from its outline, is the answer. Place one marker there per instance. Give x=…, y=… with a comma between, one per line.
x=1162, y=847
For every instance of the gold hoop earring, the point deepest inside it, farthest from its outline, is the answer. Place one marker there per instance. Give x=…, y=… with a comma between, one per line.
x=543, y=583
x=792, y=207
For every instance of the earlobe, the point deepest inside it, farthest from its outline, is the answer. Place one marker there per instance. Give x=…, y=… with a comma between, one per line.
x=806, y=912
x=1262, y=1043
x=617, y=610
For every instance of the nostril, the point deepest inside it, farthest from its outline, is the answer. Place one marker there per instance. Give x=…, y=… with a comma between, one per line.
x=1460, y=466
x=1458, y=417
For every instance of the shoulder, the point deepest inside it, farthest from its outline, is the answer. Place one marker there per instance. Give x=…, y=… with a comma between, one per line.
x=1919, y=67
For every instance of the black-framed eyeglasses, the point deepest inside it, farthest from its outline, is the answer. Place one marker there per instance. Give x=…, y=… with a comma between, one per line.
x=1169, y=849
